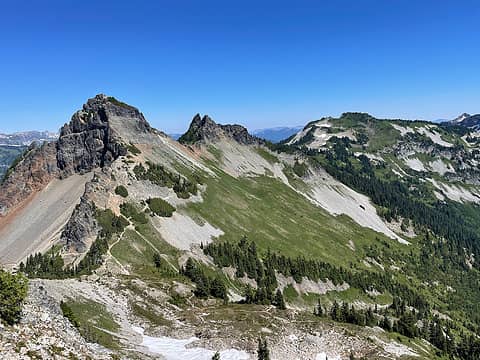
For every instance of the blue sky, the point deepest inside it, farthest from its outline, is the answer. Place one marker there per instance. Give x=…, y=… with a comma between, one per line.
x=258, y=63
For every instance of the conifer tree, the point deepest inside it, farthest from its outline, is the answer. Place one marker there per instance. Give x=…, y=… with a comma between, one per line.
x=318, y=311
x=263, y=352
x=279, y=301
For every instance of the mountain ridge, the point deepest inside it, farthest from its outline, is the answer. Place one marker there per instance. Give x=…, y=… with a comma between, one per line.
x=375, y=217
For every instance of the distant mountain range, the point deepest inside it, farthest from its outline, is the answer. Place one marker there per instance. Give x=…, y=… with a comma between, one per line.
x=25, y=138
x=467, y=120
x=276, y=134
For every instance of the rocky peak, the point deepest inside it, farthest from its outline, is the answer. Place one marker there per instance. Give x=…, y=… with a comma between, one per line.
x=466, y=120
x=204, y=129
x=96, y=135
x=460, y=118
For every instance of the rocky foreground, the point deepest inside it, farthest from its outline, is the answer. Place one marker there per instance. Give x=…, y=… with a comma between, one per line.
x=44, y=333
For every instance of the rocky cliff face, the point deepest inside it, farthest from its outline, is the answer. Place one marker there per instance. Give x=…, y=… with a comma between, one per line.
x=204, y=129
x=81, y=226
x=32, y=173
x=90, y=140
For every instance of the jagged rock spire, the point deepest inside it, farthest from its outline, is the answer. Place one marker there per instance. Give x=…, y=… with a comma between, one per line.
x=96, y=134
x=204, y=129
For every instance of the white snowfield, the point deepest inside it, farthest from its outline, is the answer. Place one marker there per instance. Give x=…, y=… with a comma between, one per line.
x=337, y=199
x=174, y=349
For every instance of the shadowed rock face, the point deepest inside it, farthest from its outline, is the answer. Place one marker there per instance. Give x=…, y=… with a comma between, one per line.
x=81, y=226
x=90, y=141
x=205, y=129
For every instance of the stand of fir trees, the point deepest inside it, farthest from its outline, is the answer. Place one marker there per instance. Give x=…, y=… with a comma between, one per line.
x=244, y=257
x=205, y=285
x=397, y=318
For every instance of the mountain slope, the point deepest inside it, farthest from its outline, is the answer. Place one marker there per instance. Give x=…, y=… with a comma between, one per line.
x=212, y=235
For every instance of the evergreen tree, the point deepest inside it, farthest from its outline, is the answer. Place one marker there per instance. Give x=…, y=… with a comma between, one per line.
x=335, y=311
x=263, y=352
x=318, y=311
x=216, y=356
x=157, y=260
x=13, y=290
x=279, y=301
x=385, y=324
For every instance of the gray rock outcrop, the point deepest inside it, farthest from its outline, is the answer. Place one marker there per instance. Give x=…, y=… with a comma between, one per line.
x=81, y=226
x=203, y=129
x=91, y=140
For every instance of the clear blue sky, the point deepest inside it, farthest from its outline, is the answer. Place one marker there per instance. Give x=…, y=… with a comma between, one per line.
x=259, y=63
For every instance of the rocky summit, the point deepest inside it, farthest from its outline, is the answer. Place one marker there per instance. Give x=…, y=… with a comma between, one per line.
x=355, y=237
x=204, y=129
x=91, y=140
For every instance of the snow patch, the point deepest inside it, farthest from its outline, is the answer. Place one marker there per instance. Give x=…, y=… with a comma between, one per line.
x=174, y=349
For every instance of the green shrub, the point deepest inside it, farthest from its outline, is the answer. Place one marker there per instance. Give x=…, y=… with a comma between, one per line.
x=68, y=313
x=160, y=207
x=133, y=149
x=159, y=175
x=119, y=103
x=121, y=190
x=13, y=290
x=130, y=212
x=109, y=222
x=300, y=169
